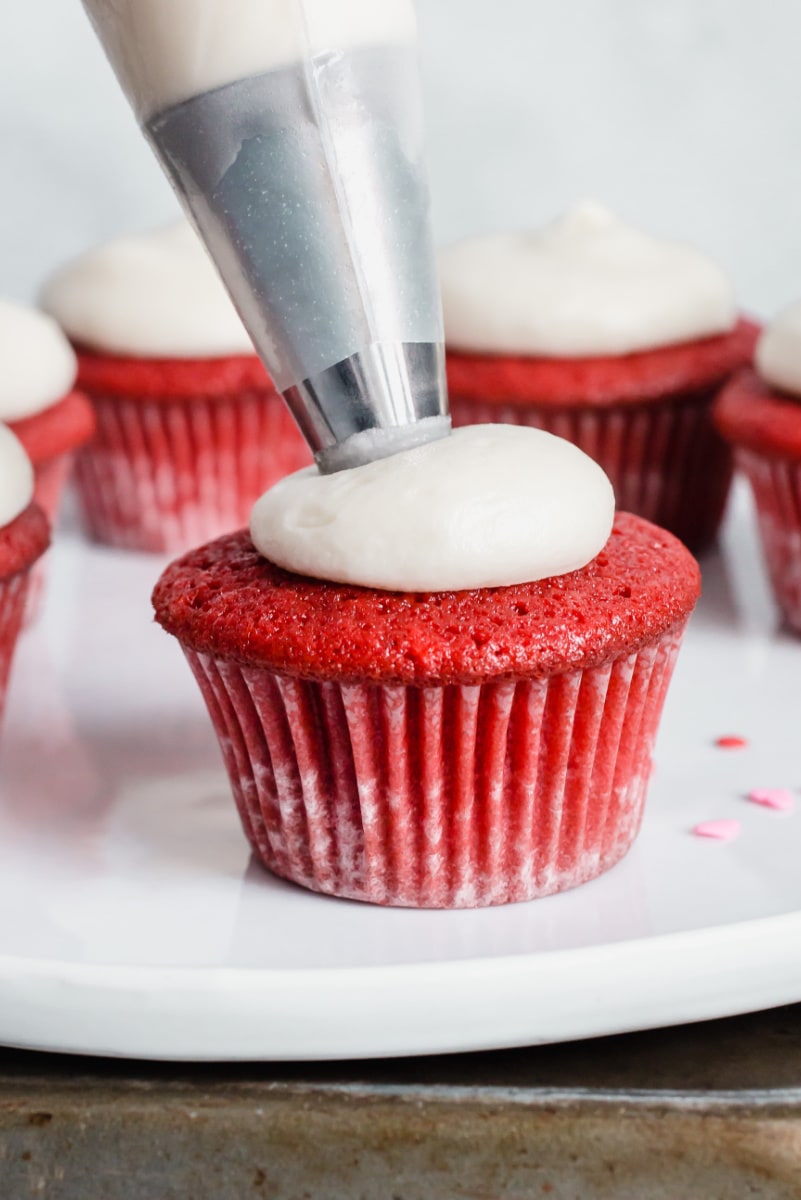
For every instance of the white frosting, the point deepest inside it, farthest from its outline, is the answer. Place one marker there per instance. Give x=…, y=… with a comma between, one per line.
x=166, y=51
x=778, y=352
x=488, y=506
x=16, y=477
x=155, y=295
x=586, y=285
x=37, y=363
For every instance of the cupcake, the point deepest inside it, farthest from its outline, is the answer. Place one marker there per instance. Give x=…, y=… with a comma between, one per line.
x=190, y=430
x=613, y=339
x=403, y=720
x=38, y=400
x=24, y=537
x=759, y=414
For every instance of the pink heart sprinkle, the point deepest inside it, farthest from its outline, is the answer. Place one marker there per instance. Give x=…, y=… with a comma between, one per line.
x=778, y=798
x=721, y=831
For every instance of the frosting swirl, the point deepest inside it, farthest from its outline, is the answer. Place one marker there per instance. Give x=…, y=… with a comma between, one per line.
x=153, y=295
x=488, y=506
x=587, y=285
x=778, y=351
x=38, y=363
x=16, y=477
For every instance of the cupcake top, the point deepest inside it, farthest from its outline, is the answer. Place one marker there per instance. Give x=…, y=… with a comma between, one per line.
x=778, y=352
x=586, y=285
x=16, y=477
x=759, y=409
x=227, y=600
x=751, y=414
x=487, y=506
x=154, y=295
x=38, y=363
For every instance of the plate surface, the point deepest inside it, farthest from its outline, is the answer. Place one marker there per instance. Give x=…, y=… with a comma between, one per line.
x=135, y=924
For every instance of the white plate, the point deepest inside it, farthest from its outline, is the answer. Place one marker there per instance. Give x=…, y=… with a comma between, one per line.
x=134, y=924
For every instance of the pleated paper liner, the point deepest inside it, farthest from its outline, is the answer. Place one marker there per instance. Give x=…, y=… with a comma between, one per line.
x=776, y=484
x=164, y=476
x=666, y=461
x=50, y=478
x=50, y=438
x=440, y=797
x=13, y=595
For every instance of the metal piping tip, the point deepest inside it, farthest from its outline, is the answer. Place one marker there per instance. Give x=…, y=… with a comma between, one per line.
x=386, y=398
x=373, y=444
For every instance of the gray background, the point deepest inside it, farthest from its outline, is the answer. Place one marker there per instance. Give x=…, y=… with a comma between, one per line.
x=684, y=115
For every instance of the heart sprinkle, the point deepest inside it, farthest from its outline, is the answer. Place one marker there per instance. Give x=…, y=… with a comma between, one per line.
x=778, y=798
x=721, y=831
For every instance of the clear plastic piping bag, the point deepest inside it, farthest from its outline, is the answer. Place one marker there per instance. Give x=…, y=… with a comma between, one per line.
x=292, y=132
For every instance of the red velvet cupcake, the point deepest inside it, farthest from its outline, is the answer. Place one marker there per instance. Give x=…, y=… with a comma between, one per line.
x=190, y=430
x=51, y=439
x=616, y=341
x=38, y=401
x=455, y=748
x=24, y=537
x=759, y=413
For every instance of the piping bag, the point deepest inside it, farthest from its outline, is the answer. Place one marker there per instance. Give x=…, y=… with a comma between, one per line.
x=292, y=132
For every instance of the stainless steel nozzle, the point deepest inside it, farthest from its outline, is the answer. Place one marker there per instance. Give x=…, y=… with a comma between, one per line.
x=307, y=184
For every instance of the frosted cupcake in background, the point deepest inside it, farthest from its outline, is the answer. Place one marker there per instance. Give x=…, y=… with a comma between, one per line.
x=759, y=413
x=24, y=537
x=437, y=679
x=189, y=427
x=38, y=399
x=608, y=337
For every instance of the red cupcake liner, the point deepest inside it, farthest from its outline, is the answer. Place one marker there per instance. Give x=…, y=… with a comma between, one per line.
x=13, y=596
x=164, y=476
x=49, y=481
x=50, y=438
x=665, y=460
x=776, y=484
x=440, y=797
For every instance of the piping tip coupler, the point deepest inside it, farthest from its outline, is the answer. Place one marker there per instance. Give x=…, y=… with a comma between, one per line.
x=308, y=186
